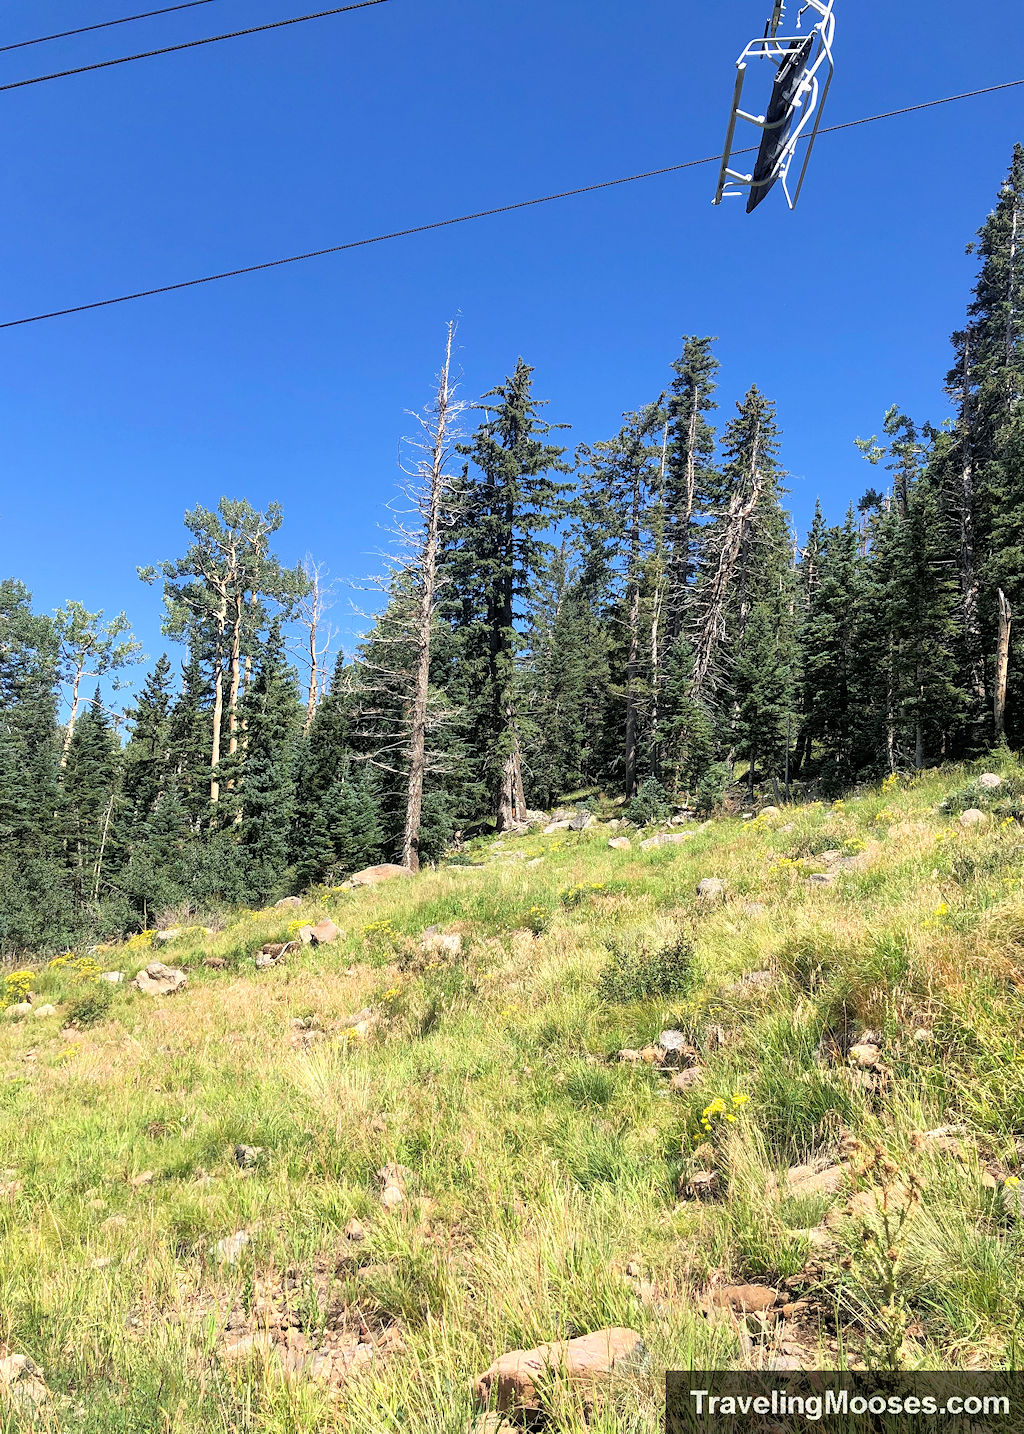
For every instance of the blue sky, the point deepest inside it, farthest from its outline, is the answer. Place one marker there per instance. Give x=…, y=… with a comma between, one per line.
x=293, y=385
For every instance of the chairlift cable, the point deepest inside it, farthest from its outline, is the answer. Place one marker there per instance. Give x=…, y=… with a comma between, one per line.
x=190, y=44
x=103, y=25
x=481, y=213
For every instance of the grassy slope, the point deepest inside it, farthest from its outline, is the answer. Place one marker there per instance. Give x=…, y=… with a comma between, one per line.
x=539, y=1170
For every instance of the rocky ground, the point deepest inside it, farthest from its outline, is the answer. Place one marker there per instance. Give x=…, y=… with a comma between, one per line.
x=494, y=1146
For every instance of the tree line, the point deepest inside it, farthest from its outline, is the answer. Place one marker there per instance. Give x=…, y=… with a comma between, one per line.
x=636, y=616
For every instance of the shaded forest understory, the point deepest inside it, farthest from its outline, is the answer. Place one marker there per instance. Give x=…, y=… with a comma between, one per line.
x=636, y=616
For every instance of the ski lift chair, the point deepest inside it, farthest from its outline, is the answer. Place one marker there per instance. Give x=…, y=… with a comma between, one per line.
x=803, y=75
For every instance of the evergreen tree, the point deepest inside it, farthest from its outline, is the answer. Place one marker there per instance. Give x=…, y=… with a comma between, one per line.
x=507, y=500
x=146, y=755
x=88, y=797
x=692, y=485
x=831, y=654
x=272, y=718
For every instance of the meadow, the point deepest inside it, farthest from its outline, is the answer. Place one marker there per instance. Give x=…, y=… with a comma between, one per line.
x=193, y=1234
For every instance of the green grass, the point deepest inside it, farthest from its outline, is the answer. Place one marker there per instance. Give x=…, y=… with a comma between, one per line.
x=540, y=1165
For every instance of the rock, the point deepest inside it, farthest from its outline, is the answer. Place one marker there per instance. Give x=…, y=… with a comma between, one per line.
x=581, y=821
x=19, y=1009
x=744, y=1299
x=685, y=1080
x=246, y=1156
x=516, y=1382
x=553, y=827
x=784, y=1363
x=652, y=1055
x=650, y=843
x=21, y=1381
x=288, y=903
x=354, y=1231
x=972, y=817
x=676, y=1049
x=620, y=843
x=755, y=908
x=374, y=875
x=711, y=891
x=447, y=943
x=114, y=977
x=394, y=1180
x=227, y=1251
x=305, y=935
x=819, y=1237
x=161, y=938
x=822, y=878
x=325, y=933
x=630, y=1058
x=160, y=980
x=830, y=857
x=534, y=819
x=865, y=1055
x=699, y=1185
x=146, y=1178
x=675, y=838
x=990, y=780
x=802, y=1180
x=240, y=1348
x=769, y=812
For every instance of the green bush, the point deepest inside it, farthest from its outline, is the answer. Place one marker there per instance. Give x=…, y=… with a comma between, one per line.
x=90, y=1007
x=651, y=804
x=638, y=972
x=710, y=791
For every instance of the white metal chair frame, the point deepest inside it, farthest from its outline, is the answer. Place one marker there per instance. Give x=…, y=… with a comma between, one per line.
x=813, y=89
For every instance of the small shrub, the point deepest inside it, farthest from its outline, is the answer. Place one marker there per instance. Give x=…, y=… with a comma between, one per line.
x=638, y=972
x=651, y=804
x=710, y=791
x=90, y=1007
x=1004, y=801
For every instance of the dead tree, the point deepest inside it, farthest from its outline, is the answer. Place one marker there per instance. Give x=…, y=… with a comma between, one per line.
x=1002, y=665
x=396, y=659
x=318, y=635
x=735, y=526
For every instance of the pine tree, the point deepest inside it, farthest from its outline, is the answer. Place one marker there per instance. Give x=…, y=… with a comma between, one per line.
x=188, y=741
x=692, y=486
x=272, y=718
x=36, y=905
x=621, y=490
x=88, y=796
x=507, y=501
x=567, y=683
x=147, y=752
x=831, y=652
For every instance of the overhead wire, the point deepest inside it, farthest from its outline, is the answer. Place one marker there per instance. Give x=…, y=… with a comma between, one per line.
x=103, y=25
x=520, y=204
x=191, y=44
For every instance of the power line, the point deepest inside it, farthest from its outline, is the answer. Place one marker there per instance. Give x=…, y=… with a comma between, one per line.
x=190, y=44
x=480, y=214
x=102, y=25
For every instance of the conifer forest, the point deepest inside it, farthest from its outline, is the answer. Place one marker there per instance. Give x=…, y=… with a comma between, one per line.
x=636, y=616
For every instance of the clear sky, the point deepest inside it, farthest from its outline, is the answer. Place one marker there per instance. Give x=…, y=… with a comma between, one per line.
x=293, y=385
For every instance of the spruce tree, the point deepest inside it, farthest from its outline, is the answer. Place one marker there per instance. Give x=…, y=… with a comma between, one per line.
x=146, y=755
x=506, y=502
x=272, y=718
